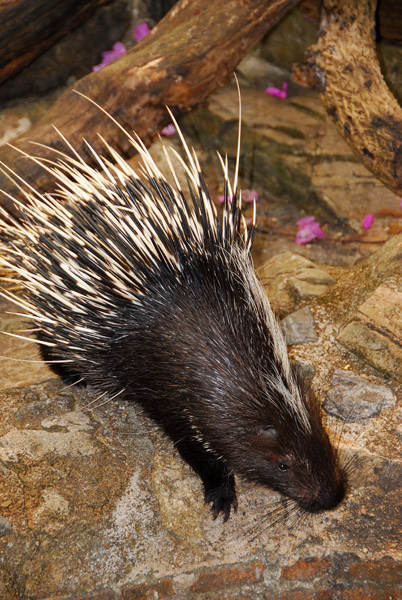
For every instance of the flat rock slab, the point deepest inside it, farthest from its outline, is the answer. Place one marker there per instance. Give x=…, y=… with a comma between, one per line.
x=353, y=398
x=298, y=327
x=374, y=332
x=289, y=278
x=95, y=498
x=20, y=362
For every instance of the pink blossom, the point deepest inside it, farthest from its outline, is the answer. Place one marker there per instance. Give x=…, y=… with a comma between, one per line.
x=308, y=230
x=141, y=31
x=110, y=55
x=249, y=195
x=368, y=221
x=273, y=91
x=246, y=196
x=168, y=130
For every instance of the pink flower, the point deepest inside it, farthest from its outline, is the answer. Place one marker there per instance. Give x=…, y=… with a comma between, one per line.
x=368, y=221
x=273, y=91
x=246, y=196
x=168, y=130
x=110, y=55
x=141, y=31
x=249, y=195
x=308, y=230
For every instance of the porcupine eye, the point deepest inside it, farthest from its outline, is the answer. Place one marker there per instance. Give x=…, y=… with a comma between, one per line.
x=283, y=466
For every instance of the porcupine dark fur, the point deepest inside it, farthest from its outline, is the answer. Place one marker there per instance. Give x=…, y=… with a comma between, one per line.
x=147, y=296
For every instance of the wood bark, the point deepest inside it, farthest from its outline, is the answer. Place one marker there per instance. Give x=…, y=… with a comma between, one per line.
x=388, y=16
x=30, y=27
x=190, y=52
x=343, y=66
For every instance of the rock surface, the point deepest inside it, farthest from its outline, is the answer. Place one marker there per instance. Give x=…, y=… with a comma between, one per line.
x=296, y=154
x=353, y=398
x=103, y=481
x=375, y=331
x=298, y=328
x=289, y=278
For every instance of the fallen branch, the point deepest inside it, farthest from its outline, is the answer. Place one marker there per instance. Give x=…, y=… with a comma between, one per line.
x=30, y=27
x=343, y=66
x=388, y=15
x=188, y=55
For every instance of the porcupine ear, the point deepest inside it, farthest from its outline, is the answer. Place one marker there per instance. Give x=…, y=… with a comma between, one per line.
x=268, y=432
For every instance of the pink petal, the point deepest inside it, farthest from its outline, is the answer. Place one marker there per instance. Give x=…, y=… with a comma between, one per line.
x=308, y=230
x=246, y=196
x=141, y=31
x=110, y=55
x=118, y=49
x=273, y=91
x=168, y=130
x=401, y=204
x=305, y=221
x=249, y=195
x=368, y=221
x=221, y=199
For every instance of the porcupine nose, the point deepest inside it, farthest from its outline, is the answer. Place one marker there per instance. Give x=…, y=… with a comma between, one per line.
x=327, y=499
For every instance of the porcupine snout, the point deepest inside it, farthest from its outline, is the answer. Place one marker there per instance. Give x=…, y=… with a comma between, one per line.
x=317, y=481
x=326, y=496
x=292, y=451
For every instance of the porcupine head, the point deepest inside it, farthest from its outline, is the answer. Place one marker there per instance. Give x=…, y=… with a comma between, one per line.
x=139, y=289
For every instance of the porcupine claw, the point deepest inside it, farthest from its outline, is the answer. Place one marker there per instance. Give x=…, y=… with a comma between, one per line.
x=222, y=498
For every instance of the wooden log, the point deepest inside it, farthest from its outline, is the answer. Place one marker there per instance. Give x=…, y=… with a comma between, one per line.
x=389, y=18
x=30, y=27
x=343, y=66
x=190, y=52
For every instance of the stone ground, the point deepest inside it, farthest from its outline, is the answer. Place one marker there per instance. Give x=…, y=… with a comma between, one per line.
x=94, y=501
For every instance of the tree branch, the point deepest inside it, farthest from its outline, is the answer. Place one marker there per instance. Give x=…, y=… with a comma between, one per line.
x=190, y=53
x=30, y=27
x=343, y=66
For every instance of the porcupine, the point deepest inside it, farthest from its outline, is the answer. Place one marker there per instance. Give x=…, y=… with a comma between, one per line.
x=149, y=296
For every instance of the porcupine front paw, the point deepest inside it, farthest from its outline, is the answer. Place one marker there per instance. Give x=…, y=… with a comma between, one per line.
x=222, y=497
x=218, y=482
